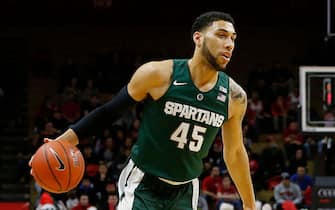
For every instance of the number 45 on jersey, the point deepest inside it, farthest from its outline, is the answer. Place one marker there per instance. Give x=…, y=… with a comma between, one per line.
x=197, y=137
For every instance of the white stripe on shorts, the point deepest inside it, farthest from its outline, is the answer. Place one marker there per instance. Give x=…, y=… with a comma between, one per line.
x=195, y=194
x=130, y=178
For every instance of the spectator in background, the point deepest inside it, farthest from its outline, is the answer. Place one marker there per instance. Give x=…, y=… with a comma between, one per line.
x=31, y=144
x=248, y=135
x=280, y=77
x=109, y=197
x=110, y=203
x=86, y=187
x=72, y=199
x=89, y=91
x=254, y=169
x=226, y=206
x=301, y=178
x=215, y=154
x=326, y=148
x=305, y=183
x=293, y=139
x=272, y=160
x=89, y=156
x=279, y=113
x=119, y=162
x=92, y=103
x=206, y=169
x=299, y=159
x=227, y=193
x=99, y=141
x=111, y=188
x=71, y=90
x=127, y=143
x=84, y=203
x=101, y=180
x=210, y=186
x=255, y=113
x=49, y=130
x=48, y=202
x=310, y=147
x=109, y=152
x=134, y=129
x=287, y=194
x=202, y=202
x=58, y=120
x=45, y=111
x=257, y=80
x=71, y=108
x=293, y=100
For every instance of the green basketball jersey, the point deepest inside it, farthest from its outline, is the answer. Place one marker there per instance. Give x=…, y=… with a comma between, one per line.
x=178, y=129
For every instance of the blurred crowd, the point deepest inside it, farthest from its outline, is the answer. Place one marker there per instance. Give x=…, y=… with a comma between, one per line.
x=279, y=153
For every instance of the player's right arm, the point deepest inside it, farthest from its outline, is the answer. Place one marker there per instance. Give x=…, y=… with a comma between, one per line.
x=151, y=79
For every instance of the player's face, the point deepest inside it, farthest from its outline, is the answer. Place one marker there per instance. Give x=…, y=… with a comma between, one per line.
x=219, y=43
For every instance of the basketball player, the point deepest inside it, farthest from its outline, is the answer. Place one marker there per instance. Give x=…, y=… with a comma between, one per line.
x=187, y=102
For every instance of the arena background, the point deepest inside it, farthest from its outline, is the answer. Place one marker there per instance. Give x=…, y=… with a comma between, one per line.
x=38, y=38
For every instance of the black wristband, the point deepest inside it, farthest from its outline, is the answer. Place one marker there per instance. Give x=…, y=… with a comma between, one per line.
x=98, y=119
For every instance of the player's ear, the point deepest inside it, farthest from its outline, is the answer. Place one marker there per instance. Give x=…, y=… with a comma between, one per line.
x=197, y=37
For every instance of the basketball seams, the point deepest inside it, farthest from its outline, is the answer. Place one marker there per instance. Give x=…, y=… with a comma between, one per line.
x=82, y=171
x=82, y=168
x=39, y=179
x=69, y=164
x=50, y=169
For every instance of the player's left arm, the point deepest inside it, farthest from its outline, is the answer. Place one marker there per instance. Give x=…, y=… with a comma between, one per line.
x=235, y=154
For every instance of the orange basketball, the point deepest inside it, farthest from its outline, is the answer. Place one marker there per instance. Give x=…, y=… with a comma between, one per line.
x=58, y=167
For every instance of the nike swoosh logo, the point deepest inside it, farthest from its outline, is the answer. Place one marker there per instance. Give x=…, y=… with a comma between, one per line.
x=179, y=83
x=61, y=166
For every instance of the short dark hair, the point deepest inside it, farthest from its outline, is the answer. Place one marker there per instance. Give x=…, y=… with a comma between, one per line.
x=207, y=18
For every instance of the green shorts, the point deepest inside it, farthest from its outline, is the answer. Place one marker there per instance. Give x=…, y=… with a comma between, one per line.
x=141, y=191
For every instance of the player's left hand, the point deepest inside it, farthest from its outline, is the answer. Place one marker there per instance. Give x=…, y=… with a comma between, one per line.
x=46, y=140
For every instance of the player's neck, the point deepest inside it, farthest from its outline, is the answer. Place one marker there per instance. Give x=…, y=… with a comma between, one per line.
x=203, y=76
